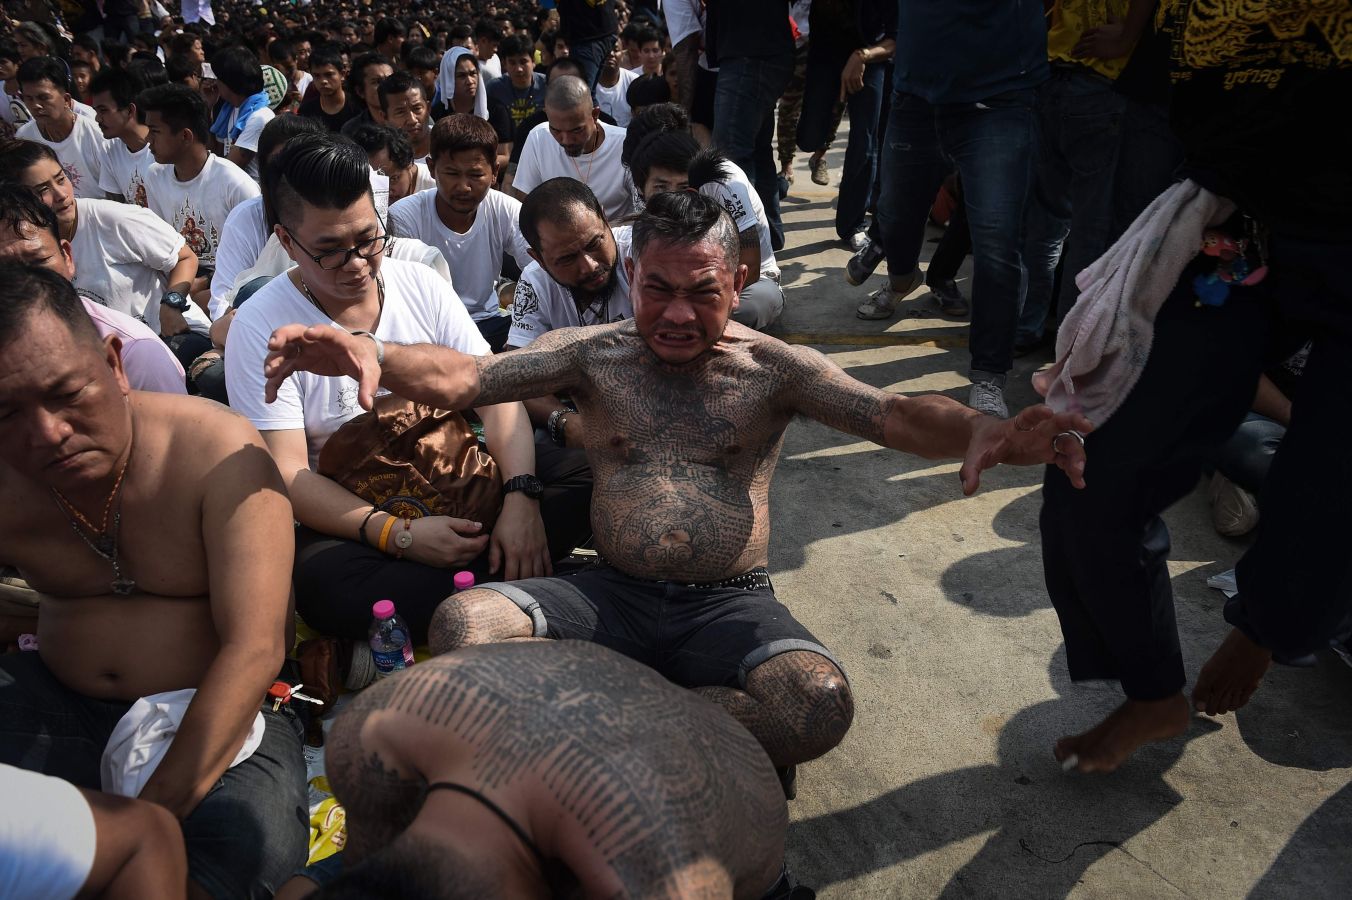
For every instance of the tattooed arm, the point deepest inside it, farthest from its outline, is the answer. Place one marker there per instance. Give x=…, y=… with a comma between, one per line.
x=427, y=373
x=932, y=426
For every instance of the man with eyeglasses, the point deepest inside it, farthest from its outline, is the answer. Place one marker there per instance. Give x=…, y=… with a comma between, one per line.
x=329, y=227
x=574, y=143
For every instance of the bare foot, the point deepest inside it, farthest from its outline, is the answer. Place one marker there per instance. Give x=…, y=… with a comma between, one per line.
x=1231, y=676
x=1133, y=724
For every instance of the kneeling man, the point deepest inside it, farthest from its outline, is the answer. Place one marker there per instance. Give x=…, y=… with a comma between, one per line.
x=592, y=773
x=684, y=415
x=158, y=533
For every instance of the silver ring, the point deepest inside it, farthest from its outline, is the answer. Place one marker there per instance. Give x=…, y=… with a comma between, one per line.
x=1075, y=434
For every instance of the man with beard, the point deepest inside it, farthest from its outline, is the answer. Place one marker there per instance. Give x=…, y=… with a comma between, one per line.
x=574, y=143
x=469, y=222
x=685, y=417
x=577, y=278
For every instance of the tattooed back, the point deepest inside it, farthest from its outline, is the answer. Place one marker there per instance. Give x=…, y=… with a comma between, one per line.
x=638, y=787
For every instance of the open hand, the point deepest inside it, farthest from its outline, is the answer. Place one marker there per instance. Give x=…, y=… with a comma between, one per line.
x=323, y=350
x=852, y=76
x=1035, y=436
x=172, y=322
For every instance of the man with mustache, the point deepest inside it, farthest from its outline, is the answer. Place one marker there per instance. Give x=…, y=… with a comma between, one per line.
x=575, y=143
x=685, y=416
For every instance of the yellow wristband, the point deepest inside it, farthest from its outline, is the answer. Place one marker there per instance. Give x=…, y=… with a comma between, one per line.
x=385, y=532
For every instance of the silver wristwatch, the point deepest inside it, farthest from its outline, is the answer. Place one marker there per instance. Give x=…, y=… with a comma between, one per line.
x=380, y=345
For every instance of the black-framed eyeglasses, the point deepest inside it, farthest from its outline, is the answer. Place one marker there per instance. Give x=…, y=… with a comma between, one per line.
x=336, y=259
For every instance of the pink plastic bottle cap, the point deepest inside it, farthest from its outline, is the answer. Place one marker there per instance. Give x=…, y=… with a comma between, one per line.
x=383, y=609
x=464, y=581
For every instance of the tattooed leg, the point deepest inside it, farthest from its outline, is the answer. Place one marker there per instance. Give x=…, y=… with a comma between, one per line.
x=476, y=617
x=798, y=705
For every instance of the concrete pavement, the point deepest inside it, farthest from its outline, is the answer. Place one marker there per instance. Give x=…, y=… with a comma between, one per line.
x=946, y=784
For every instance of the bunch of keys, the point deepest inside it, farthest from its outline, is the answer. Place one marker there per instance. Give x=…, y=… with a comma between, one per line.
x=281, y=692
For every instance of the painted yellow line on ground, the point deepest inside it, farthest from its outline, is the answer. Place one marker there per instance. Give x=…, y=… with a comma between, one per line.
x=944, y=342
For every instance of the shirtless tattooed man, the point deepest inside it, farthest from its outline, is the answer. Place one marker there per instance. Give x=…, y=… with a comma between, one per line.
x=535, y=770
x=684, y=416
x=157, y=531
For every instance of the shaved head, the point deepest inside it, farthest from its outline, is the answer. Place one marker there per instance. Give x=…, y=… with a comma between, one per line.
x=567, y=92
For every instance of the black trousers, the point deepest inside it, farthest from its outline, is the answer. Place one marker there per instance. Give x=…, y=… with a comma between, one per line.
x=1105, y=548
x=338, y=580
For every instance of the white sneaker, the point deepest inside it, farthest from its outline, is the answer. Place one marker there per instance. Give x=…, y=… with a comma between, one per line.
x=988, y=397
x=1234, y=511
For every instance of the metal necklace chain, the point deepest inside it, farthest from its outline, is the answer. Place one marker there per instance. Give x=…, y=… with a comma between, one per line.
x=380, y=292
x=105, y=541
x=586, y=179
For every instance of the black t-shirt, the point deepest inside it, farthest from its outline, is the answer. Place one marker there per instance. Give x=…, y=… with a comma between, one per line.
x=587, y=20
x=1259, y=105
x=754, y=28
x=311, y=109
x=839, y=27
x=520, y=104
x=361, y=117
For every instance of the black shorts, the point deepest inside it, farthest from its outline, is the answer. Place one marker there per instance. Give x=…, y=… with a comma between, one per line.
x=693, y=636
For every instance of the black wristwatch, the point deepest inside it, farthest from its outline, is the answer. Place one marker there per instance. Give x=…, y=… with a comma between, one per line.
x=175, y=300
x=529, y=485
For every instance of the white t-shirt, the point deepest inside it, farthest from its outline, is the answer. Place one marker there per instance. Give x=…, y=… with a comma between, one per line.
x=124, y=172
x=243, y=237
x=420, y=308
x=303, y=82
x=149, y=363
x=81, y=153
x=197, y=209
x=475, y=257
x=248, y=136
x=736, y=194
x=47, y=836
x=424, y=180
x=488, y=71
x=542, y=159
x=542, y=304
x=683, y=19
x=613, y=100
x=122, y=253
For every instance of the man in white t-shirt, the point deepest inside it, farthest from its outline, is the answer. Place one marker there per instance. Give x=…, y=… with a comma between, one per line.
x=577, y=277
x=58, y=841
x=44, y=85
x=127, y=156
x=29, y=234
x=575, y=143
x=612, y=89
x=469, y=222
x=188, y=187
x=241, y=83
x=341, y=279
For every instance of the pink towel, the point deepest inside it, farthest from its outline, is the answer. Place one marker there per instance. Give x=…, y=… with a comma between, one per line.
x=1104, y=343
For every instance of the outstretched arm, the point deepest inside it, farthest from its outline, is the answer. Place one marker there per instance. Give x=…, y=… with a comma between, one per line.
x=426, y=373
x=932, y=426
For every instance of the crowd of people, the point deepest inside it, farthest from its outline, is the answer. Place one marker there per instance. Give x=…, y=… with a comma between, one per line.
x=489, y=290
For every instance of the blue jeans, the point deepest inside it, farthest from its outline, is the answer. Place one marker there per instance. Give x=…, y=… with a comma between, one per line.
x=744, y=123
x=859, y=176
x=991, y=144
x=591, y=56
x=246, y=836
x=1079, y=122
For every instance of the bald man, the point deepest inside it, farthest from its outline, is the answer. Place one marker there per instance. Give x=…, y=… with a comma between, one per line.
x=573, y=142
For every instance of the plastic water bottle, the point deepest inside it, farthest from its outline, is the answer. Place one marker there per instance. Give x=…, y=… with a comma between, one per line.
x=391, y=646
x=463, y=581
